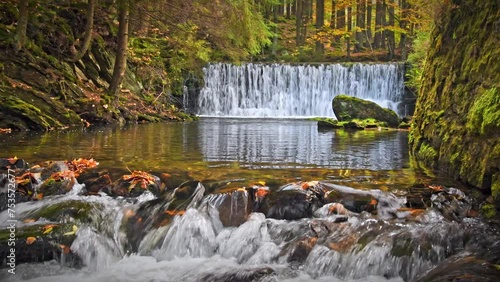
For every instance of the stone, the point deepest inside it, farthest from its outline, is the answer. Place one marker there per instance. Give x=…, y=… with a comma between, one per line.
x=290, y=204
x=347, y=108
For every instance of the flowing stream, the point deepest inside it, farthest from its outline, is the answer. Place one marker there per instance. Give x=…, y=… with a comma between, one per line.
x=248, y=199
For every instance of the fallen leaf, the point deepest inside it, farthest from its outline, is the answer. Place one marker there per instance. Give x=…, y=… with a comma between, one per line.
x=30, y=240
x=65, y=249
x=72, y=232
x=175, y=212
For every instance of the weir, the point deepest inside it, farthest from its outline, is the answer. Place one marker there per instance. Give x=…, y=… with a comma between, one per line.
x=284, y=90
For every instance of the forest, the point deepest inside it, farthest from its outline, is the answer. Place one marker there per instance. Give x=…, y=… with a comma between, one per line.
x=165, y=39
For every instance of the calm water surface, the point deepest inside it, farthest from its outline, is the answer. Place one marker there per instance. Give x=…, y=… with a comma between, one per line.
x=236, y=150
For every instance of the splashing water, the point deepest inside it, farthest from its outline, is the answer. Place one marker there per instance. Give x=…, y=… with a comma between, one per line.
x=195, y=246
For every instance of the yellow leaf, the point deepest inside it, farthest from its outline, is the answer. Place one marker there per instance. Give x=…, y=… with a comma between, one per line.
x=47, y=230
x=262, y=183
x=73, y=232
x=30, y=240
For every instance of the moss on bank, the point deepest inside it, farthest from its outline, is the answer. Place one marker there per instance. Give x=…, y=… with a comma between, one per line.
x=41, y=88
x=457, y=118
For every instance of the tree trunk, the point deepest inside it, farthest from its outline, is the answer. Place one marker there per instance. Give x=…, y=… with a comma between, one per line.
x=349, y=29
x=360, y=25
x=404, y=25
x=377, y=42
x=89, y=26
x=320, y=21
x=384, y=24
x=121, y=52
x=391, y=41
x=22, y=24
x=334, y=12
x=369, y=9
x=288, y=10
x=340, y=18
x=298, y=22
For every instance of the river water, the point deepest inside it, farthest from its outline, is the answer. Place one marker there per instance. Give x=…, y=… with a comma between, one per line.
x=235, y=153
x=258, y=198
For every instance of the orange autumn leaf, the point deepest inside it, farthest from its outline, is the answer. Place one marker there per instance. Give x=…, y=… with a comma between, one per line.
x=30, y=240
x=261, y=192
x=48, y=228
x=306, y=185
x=65, y=249
x=61, y=175
x=29, y=220
x=139, y=177
x=174, y=212
x=436, y=187
x=39, y=196
x=80, y=165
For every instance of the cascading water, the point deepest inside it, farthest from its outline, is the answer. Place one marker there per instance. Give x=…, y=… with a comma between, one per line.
x=195, y=245
x=282, y=90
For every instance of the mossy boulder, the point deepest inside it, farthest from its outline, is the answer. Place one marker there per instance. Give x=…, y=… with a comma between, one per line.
x=347, y=108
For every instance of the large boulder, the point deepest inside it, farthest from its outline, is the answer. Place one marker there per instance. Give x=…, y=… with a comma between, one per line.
x=347, y=108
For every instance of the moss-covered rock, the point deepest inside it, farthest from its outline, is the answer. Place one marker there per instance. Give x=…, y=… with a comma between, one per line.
x=347, y=108
x=457, y=118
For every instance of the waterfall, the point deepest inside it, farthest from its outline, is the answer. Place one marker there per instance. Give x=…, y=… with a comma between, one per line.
x=283, y=90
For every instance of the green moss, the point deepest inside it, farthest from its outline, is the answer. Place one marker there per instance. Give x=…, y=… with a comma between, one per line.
x=427, y=154
x=484, y=116
x=495, y=187
x=488, y=210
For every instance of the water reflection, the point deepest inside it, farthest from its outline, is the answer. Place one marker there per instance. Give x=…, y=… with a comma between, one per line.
x=218, y=149
x=268, y=143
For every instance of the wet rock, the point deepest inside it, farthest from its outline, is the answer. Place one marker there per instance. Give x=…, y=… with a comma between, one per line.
x=452, y=203
x=354, y=201
x=290, y=204
x=347, y=108
x=353, y=125
x=54, y=167
x=333, y=209
x=299, y=249
x=235, y=208
x=39, y=242
x=327, y=124
x=58, y=183
x=239, y=275
x=160, y=212
x=463, y=267
x=95, y=181
x=135, y=184
x=13, y=163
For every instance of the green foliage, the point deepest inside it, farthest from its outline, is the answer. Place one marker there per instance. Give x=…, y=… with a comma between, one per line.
x=246, y=29
x=417, y=59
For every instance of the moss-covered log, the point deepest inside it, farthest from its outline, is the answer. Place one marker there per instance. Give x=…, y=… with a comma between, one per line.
x=457, y=118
